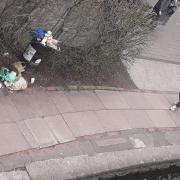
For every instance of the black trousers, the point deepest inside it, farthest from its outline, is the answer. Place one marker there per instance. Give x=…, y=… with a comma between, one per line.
x=178, y=103
x=162, y=5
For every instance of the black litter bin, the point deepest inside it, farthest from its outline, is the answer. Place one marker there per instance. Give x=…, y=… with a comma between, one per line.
x=35, y=53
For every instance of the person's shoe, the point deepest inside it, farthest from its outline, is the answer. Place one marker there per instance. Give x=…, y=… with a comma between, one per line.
x=173, y=108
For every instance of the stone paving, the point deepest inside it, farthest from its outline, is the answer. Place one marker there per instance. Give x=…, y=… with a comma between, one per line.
x=95, y=154
x=158, y=67
x=35, y=119
x=38, y=119
x=41, y=119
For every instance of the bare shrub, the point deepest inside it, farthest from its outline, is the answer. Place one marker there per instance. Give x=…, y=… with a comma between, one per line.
x=123, y=27
x=13, y=18
x=123, y=30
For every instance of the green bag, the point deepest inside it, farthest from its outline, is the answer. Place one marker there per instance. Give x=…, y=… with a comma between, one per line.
x=7, y=75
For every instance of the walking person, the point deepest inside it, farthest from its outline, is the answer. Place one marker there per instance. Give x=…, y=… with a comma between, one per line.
x=176, y=105
x=163, y=5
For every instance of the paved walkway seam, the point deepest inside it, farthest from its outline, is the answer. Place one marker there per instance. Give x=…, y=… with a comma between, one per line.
x=158, y=59
x=81, y=88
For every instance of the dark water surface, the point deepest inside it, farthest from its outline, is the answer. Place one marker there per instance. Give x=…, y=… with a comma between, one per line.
x=173, y=173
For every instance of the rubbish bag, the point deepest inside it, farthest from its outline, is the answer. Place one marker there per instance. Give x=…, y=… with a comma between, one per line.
x=18, y=67
x=11, y=80
x=19, y=84
x=7, y=76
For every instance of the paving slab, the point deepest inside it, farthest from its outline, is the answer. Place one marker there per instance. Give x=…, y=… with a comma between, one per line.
x=24, y=105
x=110, y=144
x=84, y=100
x=83, y=123
x=11, y=140
x=43, y=103
x=34, y=104
x=61, y=101
x=41, y=132
x=146, y=139
x=173, y=137
x=159, y=139
x=112, y=99
x=113, y=120
x=175, y=116
x=158, y=68
x=27, y=134
x=110, y=141
x=138, y=119
x=59, y=151
x=8, y=110
x=158, y=101
x=134, y=131
x=136, y=100
x=14, y=175
x=155, y=75
x=4, y=92
x=171, y=98
x=86, y=147
x=160, y=118
x=165, y=45
x=59, y=128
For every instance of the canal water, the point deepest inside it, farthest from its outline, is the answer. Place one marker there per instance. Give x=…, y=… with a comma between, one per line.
x=173, y=173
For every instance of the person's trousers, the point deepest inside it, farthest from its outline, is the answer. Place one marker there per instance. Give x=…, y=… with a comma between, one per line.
x=178, y=104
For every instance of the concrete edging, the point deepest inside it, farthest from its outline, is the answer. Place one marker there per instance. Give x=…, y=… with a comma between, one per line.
x=78, y=88
x=104, y=164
